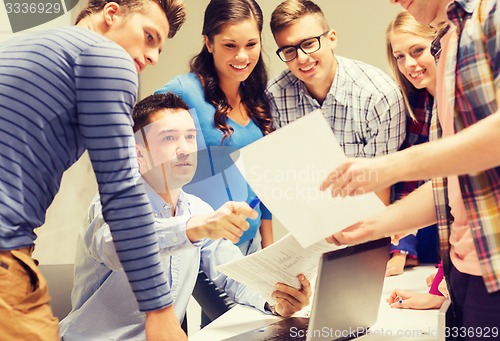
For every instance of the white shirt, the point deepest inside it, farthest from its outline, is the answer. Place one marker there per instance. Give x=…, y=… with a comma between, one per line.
x=104, y=307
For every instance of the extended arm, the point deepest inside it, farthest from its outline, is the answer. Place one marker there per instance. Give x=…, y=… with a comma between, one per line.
x=289, y=300
x=105, y=124
x=472, y=150
x=406, y=215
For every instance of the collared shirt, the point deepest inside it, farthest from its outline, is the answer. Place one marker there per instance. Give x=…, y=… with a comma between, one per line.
x=472, y=81
x=103, y=304
x=63, y=91
x=364, y=107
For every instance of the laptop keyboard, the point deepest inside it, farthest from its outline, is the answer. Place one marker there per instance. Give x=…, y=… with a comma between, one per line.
x=287, y=329
x=285, y=337
x=282, y=330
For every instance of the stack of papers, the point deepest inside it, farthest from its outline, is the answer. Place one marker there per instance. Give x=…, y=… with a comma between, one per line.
x=280, y=262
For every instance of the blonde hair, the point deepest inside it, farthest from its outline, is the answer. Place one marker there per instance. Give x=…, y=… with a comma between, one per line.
x=406, y=23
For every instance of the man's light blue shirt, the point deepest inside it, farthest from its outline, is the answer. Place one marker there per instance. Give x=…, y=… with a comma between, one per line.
x=104, y=307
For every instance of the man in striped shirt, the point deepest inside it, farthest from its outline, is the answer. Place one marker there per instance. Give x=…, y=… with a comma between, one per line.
x=62, y=92
x=462, y=159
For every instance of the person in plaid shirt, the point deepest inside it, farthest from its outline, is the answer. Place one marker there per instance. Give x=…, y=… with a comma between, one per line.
x=362, y=104
x=462, y=159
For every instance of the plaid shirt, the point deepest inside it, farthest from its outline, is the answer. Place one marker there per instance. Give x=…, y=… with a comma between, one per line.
x=472, y=79
x=364, y=107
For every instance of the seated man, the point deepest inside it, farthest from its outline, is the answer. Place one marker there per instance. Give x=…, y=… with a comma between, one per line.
x=191, y=236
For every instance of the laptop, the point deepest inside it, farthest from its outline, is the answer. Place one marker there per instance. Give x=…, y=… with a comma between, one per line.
x=346, y=299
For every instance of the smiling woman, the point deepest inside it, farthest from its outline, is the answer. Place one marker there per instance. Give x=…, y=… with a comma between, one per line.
x=226, y=89
x=408, y=53
x=230, y=77
x=408, y=48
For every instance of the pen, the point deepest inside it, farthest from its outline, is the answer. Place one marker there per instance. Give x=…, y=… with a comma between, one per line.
x=255, y=201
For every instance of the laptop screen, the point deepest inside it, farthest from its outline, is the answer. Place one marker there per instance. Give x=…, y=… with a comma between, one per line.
x=348, y=291
x=346, y=297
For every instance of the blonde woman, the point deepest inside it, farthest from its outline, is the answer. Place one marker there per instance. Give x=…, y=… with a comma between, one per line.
x=408, y=46
x=408, y=52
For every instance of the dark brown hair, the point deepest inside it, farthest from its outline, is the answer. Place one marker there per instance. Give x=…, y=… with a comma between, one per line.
x=175, y=10
x=144, y=109
x=217, y=14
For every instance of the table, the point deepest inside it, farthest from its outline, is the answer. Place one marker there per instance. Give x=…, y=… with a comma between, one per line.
x=392, y=324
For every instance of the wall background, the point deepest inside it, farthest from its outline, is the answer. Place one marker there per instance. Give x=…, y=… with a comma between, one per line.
x=360, y=26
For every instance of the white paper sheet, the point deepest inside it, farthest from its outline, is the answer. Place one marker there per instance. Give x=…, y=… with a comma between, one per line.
x=282, y=262
x=285, y=170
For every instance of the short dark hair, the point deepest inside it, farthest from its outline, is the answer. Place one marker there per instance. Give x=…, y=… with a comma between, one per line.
x=144, y=109
x=175, y=10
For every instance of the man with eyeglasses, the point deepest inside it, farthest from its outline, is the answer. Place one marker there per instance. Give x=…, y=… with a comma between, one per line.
x=363, y=105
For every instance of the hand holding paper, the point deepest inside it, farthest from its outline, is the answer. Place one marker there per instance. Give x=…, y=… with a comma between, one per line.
x=289, y=300
x=286, y=168
x=279, y=262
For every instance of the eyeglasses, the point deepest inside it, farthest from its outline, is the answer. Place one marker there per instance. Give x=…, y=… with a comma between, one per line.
x=308, y=46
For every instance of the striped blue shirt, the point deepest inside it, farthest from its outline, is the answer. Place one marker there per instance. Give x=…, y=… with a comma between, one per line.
x=61, y=92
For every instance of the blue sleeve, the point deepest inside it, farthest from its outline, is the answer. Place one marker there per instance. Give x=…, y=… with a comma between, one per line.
x=106, y=88
x=174, y=86
x=99, y=242
x=407, y=245
x=266, y=214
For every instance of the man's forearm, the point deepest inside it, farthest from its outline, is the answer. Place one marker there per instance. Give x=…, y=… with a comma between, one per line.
x=385, y=195
x=415, y=211
x=472, y=150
